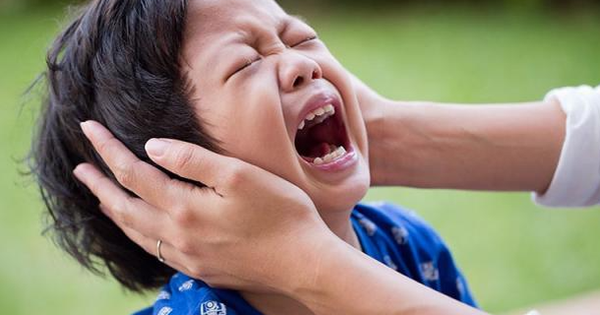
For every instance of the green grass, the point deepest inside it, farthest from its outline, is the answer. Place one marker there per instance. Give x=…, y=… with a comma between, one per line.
x=512, y=253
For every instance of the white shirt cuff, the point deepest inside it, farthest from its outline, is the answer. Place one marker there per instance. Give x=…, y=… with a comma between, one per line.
x=576, y=182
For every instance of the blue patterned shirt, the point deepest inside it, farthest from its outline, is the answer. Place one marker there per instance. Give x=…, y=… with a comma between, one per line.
x=388, y=233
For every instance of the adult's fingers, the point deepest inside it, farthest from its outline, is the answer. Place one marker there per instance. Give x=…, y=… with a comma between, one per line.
x=141, y=222
x=197, y=163
x=170, y=254
x=124, y=210
x=143, y=179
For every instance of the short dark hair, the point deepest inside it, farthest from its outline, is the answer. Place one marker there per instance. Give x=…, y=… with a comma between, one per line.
x=117, y=63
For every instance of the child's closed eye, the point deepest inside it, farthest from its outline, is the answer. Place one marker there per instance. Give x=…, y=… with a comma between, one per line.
x=300, y=40
x=305, y=40
x=250, y=61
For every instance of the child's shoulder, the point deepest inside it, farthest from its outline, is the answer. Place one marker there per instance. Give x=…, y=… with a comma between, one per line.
x=384, y=210
x=384, y=220
x=391, y=217
x=184, y=295
x=399, y=238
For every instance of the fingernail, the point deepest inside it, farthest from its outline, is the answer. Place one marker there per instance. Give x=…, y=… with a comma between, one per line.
x=156, y=147
x=88, y=129
x=79, y=171
x=83, y=126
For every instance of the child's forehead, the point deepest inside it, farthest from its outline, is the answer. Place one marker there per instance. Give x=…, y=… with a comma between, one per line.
x=211, y=16
x=213, y=26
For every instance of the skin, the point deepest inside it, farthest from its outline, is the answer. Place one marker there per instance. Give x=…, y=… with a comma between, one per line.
x=209, y=233
x=285, y=221
x=252, y=52
x=498, y=147
x=289, y=65
x=411, y=144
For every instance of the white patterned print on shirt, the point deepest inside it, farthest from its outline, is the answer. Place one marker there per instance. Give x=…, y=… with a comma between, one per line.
x=378, y=204
x=389, y=262
x=213, y=308
x=400, y=234
x=165, y=311
x=163, y=295
x=368, y=225
x=460, y=286
x=186, y=285
x=429, y=271
x=413, y=214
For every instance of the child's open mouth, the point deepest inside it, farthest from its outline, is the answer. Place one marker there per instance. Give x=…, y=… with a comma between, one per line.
x=322, y=138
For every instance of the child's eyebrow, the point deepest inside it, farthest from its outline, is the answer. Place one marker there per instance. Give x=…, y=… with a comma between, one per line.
x=246, y=37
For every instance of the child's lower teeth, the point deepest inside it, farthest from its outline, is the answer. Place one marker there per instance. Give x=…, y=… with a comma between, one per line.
x=332, y=156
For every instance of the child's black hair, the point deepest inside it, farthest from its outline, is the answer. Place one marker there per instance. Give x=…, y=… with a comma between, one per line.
x=117, y=63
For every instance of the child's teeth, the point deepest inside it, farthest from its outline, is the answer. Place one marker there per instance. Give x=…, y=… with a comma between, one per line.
x=321, y=114
x=334, y=154
x=320, y=119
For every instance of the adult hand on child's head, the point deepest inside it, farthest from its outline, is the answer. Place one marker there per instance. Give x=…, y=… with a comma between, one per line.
x=374, y=109
x=234, y=234
x=368, y=99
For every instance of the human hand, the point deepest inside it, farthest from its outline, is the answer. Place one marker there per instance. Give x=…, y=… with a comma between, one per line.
x=246, y=230
x=369, y=100
x=375, y=108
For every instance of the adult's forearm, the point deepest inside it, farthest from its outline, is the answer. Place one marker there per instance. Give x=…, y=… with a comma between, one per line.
x=513, y=147
x=345, y=281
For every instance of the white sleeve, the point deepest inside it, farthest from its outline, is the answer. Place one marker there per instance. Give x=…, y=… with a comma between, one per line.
x=576, y=182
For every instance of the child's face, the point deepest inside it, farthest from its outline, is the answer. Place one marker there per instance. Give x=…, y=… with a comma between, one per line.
x=256, y=111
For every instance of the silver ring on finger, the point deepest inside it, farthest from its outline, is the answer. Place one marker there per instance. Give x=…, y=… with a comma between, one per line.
x=158, y=254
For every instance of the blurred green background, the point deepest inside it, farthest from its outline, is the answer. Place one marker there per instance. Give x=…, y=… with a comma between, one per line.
x=513, y=253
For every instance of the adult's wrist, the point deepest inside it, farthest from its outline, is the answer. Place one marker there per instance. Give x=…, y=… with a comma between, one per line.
x=394, y=130
x=300, y=259
x=319, y=288
x=376, y=122
x=341, y=276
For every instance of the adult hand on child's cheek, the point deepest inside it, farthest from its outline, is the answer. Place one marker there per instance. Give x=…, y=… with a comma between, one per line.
x=214, y=234
x=374, y=109
x=369, y=100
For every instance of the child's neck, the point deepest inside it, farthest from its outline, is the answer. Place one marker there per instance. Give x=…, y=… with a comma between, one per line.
x=271, y=304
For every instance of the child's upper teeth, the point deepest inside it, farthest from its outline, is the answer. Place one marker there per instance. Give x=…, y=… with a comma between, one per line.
x=302, y=124
x=322, y=113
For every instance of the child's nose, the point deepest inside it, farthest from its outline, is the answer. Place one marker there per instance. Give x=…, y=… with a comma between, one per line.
x=297, y=70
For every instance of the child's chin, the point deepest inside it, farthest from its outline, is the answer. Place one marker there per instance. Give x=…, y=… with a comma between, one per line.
x=343, y=197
